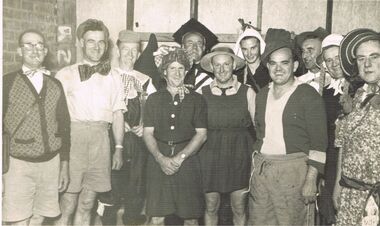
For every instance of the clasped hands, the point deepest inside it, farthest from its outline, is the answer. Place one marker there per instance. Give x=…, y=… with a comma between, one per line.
x=170, y=165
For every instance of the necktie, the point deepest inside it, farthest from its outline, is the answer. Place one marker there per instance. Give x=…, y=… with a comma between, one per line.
x=190, y=75
x=86, y=71
x=31, y=73
x=224, y=90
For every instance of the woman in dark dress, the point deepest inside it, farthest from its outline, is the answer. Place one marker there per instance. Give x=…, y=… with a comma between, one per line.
x=226, y=157
x=175, y=122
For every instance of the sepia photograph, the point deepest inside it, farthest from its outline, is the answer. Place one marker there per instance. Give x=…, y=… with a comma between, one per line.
x=190, y=112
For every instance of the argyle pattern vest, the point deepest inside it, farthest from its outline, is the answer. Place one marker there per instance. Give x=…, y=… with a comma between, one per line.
x=37, y=136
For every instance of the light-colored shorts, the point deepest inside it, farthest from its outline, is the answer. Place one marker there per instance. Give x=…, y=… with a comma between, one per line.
x=31, y=188
x=90, y=164
x=275, y=197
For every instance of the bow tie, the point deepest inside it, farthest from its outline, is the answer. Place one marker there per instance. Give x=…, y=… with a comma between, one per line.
x=86, y=71
x=31, y=73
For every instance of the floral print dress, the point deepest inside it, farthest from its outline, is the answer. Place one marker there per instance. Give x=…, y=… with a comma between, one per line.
x=358, y=135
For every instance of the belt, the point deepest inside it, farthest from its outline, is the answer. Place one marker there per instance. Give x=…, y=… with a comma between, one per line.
x=374, y=189
x=171, y=143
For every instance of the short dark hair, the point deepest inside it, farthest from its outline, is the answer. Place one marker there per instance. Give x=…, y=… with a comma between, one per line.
x=92, y=25
x=312, y=36
x=35, y=31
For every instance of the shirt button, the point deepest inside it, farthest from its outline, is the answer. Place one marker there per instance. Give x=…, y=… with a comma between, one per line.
x=173, y=115
x=172, y=127
x=175, y=103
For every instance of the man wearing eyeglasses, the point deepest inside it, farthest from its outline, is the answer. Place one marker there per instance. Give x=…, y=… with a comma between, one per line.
x=35, y=114
x=95, y=100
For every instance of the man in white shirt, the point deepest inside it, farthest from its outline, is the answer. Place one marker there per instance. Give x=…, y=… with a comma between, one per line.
x=95, y=99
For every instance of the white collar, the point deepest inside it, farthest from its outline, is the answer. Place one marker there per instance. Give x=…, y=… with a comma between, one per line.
x=337, y=85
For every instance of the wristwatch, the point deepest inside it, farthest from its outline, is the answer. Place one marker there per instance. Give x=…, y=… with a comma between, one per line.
x=183, y=156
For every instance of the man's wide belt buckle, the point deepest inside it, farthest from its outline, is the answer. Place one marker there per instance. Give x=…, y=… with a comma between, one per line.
x=170, y=143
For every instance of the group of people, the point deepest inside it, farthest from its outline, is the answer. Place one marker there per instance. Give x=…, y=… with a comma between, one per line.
x=285, y=126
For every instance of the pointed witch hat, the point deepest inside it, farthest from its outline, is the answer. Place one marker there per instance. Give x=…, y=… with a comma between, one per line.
x=145, y=63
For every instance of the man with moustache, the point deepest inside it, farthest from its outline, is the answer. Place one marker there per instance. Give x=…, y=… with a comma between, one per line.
x=249, y=46
x=310, y=42
x=35, y=114
x=291, y=140
x=95, y=99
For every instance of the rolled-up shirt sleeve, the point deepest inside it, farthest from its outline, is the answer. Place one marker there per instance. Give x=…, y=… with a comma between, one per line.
x=316, y=125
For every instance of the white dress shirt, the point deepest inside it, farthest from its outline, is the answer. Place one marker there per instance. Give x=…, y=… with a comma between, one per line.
x=36, y=78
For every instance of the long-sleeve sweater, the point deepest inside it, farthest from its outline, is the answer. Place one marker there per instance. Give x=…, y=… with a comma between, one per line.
x=45, y=132
x=304, y=124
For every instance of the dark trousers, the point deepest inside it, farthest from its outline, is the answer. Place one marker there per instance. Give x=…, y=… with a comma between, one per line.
x=128, y=183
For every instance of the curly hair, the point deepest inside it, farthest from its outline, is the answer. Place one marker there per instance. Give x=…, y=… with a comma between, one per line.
x=175, y=54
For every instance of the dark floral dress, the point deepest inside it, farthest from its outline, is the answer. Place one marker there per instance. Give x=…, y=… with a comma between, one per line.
x=358, y=136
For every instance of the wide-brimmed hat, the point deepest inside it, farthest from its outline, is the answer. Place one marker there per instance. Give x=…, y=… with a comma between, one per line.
x=195, y=26
x=349, y=45
x=320, y=32
x=249, y=33
x=276, y=39
x=206, y=60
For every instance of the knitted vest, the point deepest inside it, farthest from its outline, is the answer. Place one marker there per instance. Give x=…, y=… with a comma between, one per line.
x=37, y=138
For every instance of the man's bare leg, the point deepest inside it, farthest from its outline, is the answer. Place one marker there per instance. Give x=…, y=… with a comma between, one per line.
x=85, y=204
x=68, y=204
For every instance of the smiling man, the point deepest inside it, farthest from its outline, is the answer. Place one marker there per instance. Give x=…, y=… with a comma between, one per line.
x=95, y=100
x=291, y=140
x=250, y=45
x=311, y=44
x=35, y=112
x=225, y=158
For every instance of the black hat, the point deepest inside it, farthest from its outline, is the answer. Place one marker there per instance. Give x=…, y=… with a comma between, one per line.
x=276, y=39
x=349, y=45
x=195, y=26
x=320, y=32
x=145, y=63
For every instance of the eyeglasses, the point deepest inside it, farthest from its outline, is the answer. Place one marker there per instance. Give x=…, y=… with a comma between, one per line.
x=30, y=46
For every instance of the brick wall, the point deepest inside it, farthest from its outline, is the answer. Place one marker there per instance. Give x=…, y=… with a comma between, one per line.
x=19, y=15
